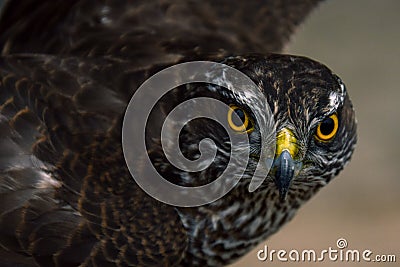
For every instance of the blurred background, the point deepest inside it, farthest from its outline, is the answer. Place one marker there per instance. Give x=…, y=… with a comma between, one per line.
x=360, y=41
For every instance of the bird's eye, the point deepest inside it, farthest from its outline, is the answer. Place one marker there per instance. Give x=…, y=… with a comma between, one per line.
x=327, y=128
x=240, y=123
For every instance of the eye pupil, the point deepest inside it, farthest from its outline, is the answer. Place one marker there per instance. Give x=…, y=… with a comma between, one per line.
x=327, y=126
x=241, y=116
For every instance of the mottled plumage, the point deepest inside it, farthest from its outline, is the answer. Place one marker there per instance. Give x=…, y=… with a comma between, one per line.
x=67, y=72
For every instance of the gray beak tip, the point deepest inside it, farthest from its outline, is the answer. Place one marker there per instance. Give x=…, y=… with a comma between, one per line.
x=284, y=165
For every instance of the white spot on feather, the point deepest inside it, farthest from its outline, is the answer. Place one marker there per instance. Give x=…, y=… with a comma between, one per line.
x=46, y=181
x=334, y=101
x=45, y=178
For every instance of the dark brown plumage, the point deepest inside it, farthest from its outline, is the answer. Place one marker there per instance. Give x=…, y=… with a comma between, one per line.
x=68, y=70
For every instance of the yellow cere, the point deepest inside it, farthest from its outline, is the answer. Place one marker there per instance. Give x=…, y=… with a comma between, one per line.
x=286, y=140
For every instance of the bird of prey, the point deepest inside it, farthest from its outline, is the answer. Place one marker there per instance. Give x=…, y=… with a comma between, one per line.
x=67, y=72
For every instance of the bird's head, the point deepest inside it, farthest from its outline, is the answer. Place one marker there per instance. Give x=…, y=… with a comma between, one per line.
x=314, y=125
x=315, y=122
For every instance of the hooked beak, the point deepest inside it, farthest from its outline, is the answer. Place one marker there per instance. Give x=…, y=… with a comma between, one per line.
x=284, y=164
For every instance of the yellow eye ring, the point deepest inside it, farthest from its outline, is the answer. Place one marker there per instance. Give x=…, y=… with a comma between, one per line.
x=328, y=128
x=245, y=126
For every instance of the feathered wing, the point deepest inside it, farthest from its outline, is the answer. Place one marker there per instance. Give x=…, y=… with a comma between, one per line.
x=142, y=29
x=66, y=196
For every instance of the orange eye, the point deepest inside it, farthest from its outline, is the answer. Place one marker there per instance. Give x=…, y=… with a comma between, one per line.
x=241, y=122
x=328, y=128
